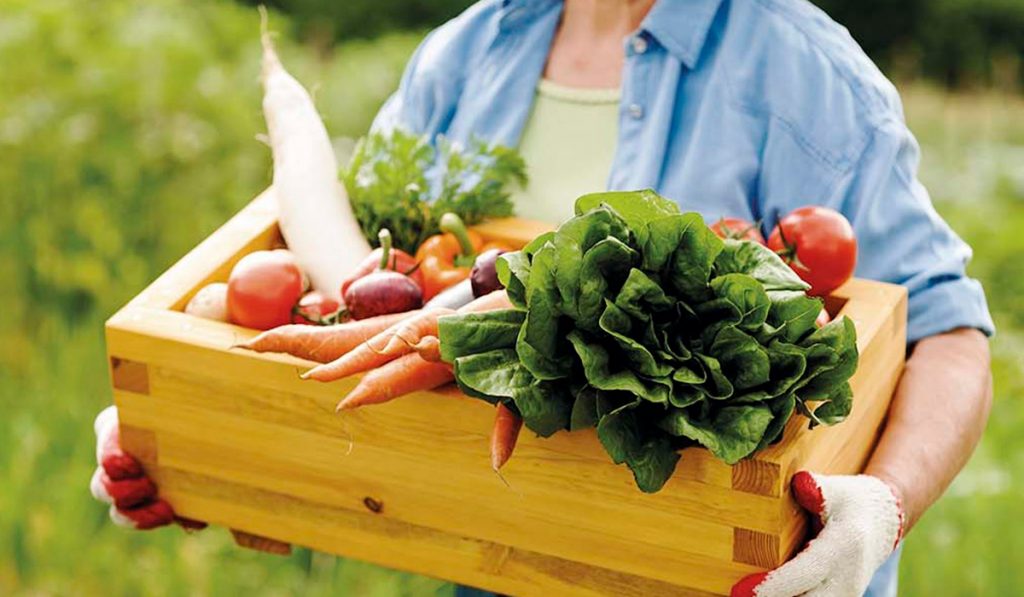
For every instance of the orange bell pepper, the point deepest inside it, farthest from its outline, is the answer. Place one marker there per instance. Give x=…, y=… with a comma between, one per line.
x=446, y=259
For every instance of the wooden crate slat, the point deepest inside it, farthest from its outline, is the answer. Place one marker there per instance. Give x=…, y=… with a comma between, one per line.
x=381, y=540
x=546, y=498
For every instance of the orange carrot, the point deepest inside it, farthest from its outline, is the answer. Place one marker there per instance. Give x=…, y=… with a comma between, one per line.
x=417, y=328
x=504, y=435
x=414, y=329
x=488, y=302
x=429, y=349
x=322, y=343
x=402, y=376
x=383, y=348
x=366, y=356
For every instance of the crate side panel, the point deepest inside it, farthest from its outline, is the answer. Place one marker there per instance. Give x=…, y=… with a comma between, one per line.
x=418, y=488
x=378, y=539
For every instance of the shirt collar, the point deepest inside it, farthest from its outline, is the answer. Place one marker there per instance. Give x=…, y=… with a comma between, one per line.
x=680, y=25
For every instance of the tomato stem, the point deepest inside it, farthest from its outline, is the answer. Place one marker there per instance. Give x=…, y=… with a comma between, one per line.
x=788, y=253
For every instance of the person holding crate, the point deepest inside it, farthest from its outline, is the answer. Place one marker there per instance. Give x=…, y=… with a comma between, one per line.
x=731, y=107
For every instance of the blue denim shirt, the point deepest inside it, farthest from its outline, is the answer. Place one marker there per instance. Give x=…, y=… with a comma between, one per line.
x=748, y=108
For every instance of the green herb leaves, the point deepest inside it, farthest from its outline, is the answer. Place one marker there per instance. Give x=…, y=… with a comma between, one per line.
x=388, y=186
x=637, y=320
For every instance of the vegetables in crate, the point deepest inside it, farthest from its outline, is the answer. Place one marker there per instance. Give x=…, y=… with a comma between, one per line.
x=638, y=320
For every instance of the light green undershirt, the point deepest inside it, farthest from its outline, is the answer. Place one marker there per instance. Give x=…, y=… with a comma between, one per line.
x=568, y=144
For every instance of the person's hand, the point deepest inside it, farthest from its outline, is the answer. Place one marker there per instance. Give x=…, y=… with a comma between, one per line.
x=860, y=521
x=120, y=481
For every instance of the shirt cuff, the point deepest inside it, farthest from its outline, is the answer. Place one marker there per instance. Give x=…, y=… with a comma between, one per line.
x=949, y=305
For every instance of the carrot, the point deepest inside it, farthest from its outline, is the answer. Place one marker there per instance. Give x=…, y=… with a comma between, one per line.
x=322, y=343
x=402, y=376
x=383, y=348
x=314, y=213
x=366, y=356
x=429, y=349
x=504, y=435
x=488, y=302
x=389, y=342
x=414, y=329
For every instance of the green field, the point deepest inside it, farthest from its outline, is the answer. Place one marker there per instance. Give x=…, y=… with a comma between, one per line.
x=128, y=133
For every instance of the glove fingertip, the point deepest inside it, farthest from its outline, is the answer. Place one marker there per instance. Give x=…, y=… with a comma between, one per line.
x=119, y=465
x=129, y=493
x=747, y=586
x=807, y=492
x=154, y=514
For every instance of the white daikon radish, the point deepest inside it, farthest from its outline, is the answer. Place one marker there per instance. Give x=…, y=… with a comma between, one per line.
x=315, y=217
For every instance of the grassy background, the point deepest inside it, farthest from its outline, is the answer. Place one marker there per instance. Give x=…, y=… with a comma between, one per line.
x=127, y=134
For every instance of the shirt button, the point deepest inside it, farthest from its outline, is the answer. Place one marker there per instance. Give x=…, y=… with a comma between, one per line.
x=639, y=44
x=636, y=111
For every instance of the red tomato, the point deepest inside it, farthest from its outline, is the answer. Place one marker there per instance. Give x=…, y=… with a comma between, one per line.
x=315, y=309
x=818, y=243
x=737, y=228
x=263, y=288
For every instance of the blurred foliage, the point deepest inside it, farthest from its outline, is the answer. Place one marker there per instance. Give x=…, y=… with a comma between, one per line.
x=127, y=135
x=324, y=22
x=956, y=42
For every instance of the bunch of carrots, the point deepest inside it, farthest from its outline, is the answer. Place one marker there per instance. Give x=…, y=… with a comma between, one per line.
x=399, y=354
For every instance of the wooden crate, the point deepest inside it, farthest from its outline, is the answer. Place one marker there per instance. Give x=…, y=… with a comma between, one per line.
x=236, y=439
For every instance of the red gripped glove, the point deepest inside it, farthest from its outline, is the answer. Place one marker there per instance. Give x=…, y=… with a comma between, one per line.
x=860, y=522
x=120, y=481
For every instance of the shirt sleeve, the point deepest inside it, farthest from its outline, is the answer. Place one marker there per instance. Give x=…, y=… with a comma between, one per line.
x=903, y=240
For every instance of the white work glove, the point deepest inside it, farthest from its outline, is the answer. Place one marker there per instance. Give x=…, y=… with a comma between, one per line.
x=861, y=522
x=120, y=481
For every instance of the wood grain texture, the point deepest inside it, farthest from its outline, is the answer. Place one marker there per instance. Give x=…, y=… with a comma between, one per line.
x=757, y=549
x=236, y=439
x=129, y=375
x=757, y=476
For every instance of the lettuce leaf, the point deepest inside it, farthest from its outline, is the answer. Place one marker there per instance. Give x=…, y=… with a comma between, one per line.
x=635, y=319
